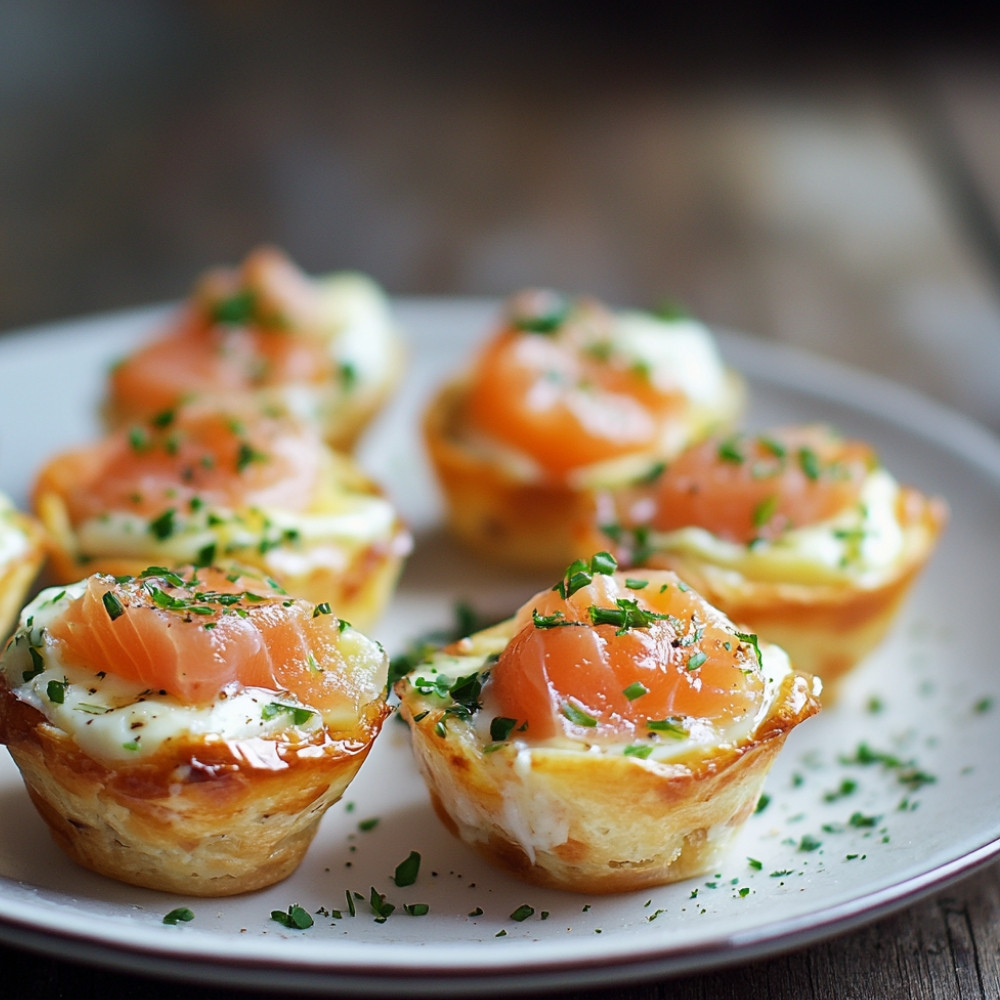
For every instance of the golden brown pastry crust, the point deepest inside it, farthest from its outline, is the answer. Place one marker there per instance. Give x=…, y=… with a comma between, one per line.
x=207, y=818
x=17, y=576
x=825, y=629
x=358, y=583
x=608, y=822
x=531, y=523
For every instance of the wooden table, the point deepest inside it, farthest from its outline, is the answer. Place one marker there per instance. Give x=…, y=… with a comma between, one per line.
x=840, y=197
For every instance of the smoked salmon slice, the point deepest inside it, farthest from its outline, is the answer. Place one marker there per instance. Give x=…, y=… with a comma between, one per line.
x=192, y=632
x=615, y=656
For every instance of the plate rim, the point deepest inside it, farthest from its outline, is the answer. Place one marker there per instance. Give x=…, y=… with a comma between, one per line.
x=869, y=394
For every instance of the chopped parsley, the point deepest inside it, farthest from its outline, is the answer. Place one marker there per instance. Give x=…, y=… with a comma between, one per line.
x=163, y=526
x=577, y=715
x=501, y=727
x=551, y=312
x=670, y=726
x=556, y=620
x=246, y=454
x=299, y=716
x=625, y=615
x=239, y=309
x=809, y=463
x=407, y=870
x=636, y=690
x=765, y=510
x=730, y=451
x=112, y=605
x=294, y=918
x=751, y=639
x=56, y=691
x=37, y=665
x=580, y=573
x=695, y=660
x=381, y=907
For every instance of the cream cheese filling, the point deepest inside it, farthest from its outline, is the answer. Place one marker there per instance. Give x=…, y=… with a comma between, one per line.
x=115, y=719
x=303, y=539
x=676, y=355
x=862, y=545
x=696, y=738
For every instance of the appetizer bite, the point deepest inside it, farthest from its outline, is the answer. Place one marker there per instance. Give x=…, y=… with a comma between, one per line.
x=568, y=397
x=201, y=485
x=187, y=730
x=328, y=349
x=614, y=734
x=799, y=533
x=22, y=553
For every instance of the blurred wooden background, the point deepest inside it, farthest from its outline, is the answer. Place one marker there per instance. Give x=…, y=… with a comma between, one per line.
x=832, y=185
x=835, y=186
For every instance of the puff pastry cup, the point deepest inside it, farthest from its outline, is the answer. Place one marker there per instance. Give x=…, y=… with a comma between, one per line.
x=799, y=533
x=607, y=740
x=197, y=485
x=326, y=348
x=23, y=548
x=568, y=397
x=187, y=731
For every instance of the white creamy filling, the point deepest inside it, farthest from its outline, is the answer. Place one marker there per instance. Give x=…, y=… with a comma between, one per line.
x=111, y=718
x=303, y=539
x=678, y=354
x=863, y=544
x=700, y=735
x=364, y=332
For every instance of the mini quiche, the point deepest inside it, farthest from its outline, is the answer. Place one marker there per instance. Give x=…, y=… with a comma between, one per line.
x=799, y=533
x=22, y=553
x=566, y=398
x=326, y=348
x=201, y=485
x=186, y=731
x=614, y=734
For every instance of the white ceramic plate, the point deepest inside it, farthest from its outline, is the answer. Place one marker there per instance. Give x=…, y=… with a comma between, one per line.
x=818, y=859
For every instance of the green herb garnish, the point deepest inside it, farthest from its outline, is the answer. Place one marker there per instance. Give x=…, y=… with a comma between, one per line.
x=380, y=906
x=669, y=727
x=625, y=615
x=501, y=727
x=695, y=660
x=407, y=870
x=294, y=918
x=56, y=691
x=112, y=605
x=580, y=573
x=300, y=716
x=577, y=715
x=163, y=526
